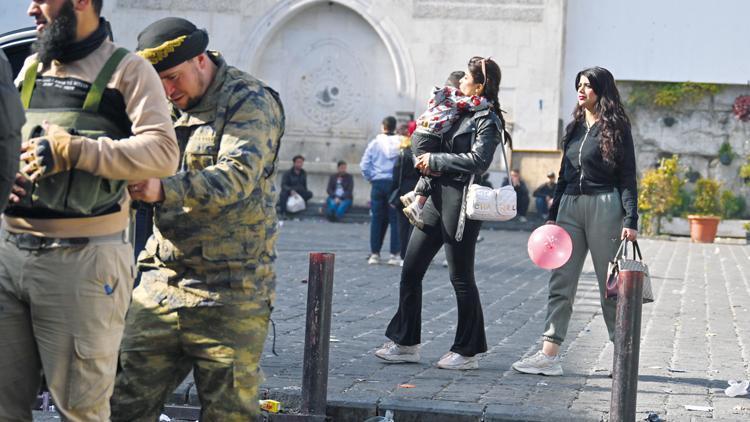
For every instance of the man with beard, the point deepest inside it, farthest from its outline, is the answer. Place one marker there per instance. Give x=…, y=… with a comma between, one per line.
x=96, y=117
x=11, y=120
x=208, y=280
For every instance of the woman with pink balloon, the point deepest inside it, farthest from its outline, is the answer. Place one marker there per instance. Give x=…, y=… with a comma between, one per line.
x=594, y=208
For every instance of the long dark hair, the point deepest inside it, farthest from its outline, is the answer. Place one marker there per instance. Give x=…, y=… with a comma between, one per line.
x=608, y=107
x=478, y=66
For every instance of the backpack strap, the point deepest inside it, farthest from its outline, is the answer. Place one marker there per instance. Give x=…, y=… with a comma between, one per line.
x=29, y=82
x=94, y=97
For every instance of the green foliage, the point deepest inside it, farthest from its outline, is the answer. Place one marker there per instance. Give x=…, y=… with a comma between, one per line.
x=669, y=94
x=746, y=226
x=745, y=171
x=732, y=206
x=707, y=201
x=686, y=201
x=659, y=193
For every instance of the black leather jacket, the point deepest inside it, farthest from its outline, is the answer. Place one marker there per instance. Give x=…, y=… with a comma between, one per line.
x=469, y=148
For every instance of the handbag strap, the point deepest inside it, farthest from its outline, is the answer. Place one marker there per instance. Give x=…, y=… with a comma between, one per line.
x=462, y=214
x=637, y=249
x=624, y=248
x=502, y=151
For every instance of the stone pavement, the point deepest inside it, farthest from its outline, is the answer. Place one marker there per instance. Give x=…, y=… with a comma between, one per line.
x=696, y=336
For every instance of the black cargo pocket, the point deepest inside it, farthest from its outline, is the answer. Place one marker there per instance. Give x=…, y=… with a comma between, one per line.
x=92, y=371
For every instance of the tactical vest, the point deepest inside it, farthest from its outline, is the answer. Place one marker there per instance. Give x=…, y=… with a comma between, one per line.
x=73, y=193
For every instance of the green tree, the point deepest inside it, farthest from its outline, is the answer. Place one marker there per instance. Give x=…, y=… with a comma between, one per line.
x=659, y=193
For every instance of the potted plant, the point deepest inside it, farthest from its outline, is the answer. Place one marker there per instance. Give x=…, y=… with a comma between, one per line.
x=659, y=193
x=707, y=208
x=726, y=155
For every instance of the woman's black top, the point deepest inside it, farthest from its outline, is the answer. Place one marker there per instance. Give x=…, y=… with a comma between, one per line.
x=584, y=172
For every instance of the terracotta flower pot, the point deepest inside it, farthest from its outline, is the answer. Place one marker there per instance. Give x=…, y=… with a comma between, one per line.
x=703, y=228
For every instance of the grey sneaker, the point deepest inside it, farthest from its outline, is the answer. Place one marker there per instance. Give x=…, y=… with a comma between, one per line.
x=414, y=214
x=452, y=360
x=408, y=198
x=393, y=352
x=374, y=259
x=539, y=364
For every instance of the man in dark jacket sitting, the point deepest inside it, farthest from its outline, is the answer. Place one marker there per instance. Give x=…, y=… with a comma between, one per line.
x=294, y=182
x=544, y=194
x=340, y=189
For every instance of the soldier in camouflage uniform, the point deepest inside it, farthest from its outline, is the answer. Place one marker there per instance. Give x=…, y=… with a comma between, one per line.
x=208, y=281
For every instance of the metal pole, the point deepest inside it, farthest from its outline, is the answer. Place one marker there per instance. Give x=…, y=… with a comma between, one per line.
x=627, y=347
x=317, y=334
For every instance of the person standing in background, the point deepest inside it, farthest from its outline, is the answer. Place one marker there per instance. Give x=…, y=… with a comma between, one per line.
x=377, y=168
x=405, y=178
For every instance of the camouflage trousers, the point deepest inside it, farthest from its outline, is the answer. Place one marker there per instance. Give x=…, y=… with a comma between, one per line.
x=220, y=340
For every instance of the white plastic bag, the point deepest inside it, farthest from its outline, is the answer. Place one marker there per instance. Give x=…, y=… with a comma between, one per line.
x=295, y=203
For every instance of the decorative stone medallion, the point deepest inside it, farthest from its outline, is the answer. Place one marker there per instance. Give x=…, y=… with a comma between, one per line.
x=329, y=83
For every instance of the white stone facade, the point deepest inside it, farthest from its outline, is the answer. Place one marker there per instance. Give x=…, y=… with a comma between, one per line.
x=341, y=66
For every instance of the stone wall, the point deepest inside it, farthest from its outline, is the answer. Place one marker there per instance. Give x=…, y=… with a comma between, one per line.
x=341, y=66
x=694, y=131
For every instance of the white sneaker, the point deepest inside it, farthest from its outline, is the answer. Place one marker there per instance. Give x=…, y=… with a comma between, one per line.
x=452, y=360
x=393, y=352
x=539, y=364
x=394, y=260
x=414, y=213
x=374, y=259
x=408, y=198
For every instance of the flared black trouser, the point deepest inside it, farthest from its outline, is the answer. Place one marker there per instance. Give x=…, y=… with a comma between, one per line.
x=440, y=215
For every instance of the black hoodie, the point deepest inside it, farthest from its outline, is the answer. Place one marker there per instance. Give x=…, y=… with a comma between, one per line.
x=584, y=172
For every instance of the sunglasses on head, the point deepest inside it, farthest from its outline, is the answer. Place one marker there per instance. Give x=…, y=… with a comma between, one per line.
x=484, y=69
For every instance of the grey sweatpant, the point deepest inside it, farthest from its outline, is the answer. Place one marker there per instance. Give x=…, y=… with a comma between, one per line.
x=595, y=224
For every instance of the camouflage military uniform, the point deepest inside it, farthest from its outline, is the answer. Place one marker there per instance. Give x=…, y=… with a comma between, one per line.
x=208, y=281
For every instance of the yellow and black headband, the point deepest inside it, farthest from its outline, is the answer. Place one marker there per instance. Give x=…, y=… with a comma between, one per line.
x=171, y=41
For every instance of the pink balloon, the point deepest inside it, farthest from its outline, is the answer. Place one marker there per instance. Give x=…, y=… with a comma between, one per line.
x=550, y=246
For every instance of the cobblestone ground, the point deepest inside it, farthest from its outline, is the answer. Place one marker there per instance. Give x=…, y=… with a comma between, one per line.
x=695, y=337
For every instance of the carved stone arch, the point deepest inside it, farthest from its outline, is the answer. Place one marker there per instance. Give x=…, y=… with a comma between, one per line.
x=285, y=10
